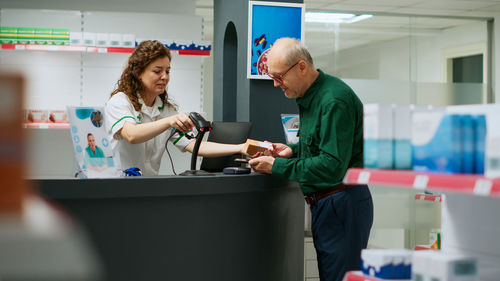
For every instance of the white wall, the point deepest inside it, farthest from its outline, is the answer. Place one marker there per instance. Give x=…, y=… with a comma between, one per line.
x=380, y=72
x=183, y=7
x=392, y=58
x=53, y=78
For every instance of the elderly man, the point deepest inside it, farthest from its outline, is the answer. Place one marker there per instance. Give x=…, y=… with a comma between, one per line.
x=331, y=141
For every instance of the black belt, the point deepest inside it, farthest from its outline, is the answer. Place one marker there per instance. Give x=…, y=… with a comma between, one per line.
x=312, y=198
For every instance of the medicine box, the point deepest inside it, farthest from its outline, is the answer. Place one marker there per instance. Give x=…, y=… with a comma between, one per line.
x=89, y=38
x=492, y=155
x=115, y=40
x=479, y=142
x=436, y=141
x=102, y=39
x=36, y=116
x=25, y=35
x=420, y=265
x=60, y=36
x=486, y=136
x=402, y=136
x=8, y=35
x=128, y=40
x=43, y=36
x=386, y=264
x=447, y=267
x=253, y=146
x=378, y=136
x=76, y=38
x=12, y=153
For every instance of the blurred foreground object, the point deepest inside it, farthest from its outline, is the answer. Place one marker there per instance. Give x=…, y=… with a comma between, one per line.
x=12, y=142
x=44, y=245
x=37, y=242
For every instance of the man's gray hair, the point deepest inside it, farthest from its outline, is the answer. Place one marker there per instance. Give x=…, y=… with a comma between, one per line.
x=296, y=52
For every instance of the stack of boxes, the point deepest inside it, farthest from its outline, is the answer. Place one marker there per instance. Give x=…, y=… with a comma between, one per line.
x=451, y=139
x=378, y=136
x=418, y=265
x=34, y=35
x=437, y=266
x=103, y=39
x=62, y=36
x=386, y=264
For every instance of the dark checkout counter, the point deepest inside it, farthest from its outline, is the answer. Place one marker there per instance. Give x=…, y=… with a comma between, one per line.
x=224, y=227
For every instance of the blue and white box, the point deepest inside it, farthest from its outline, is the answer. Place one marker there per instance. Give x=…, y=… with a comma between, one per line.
x=378, y=136
x=487, y=152
x=402, y=136
x=467, y=144
x=436, y=141
x=479, y=142
x=386, y=264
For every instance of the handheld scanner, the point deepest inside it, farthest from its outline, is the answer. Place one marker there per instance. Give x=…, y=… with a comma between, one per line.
x=201, y=124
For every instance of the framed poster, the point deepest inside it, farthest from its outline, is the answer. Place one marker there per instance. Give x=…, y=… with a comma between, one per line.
x=267, y=22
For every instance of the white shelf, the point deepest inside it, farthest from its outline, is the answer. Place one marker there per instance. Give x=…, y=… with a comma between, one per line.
x=88, y=49
x=457, y=183
x=45, y=125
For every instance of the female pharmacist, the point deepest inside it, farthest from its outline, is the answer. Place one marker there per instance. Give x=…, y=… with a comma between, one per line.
x=140, y=117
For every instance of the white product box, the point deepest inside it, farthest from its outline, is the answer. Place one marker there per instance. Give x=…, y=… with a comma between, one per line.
x=128, y=40
x=102, y=39
x=447, y=267
x=420, y=265
x=492, y=151
x=89, y=38
x=378, y=136
x=76, y=38
x=115, y=40
x=436, y=141
x=402, y=136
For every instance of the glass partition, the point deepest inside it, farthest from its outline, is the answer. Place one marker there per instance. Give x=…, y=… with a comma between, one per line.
x=405, y=60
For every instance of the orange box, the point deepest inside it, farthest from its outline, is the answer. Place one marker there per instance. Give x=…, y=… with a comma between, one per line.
x=253, y=146
x=12, y=141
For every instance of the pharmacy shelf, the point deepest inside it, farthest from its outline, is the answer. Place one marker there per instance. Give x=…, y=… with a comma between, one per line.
x=101, y=50
x=428, y=197
x=45, y=125
x=457, y=183
x=359, y=276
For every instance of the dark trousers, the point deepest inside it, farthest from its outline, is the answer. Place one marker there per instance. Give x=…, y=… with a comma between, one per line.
x=341, y=225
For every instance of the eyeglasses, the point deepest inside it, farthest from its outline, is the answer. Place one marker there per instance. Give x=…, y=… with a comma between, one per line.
x=279, y=77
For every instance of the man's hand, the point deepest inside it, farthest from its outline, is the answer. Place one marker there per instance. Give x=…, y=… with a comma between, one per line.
x=281, y=150
x=277, y=150
x=262, y=164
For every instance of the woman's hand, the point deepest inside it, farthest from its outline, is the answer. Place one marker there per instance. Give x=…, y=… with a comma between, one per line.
x=181, y=121
x=139, y=133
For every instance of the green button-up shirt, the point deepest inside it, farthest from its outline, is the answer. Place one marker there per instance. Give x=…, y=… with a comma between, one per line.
x=331, y=136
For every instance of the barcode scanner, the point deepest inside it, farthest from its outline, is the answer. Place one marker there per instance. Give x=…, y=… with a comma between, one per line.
x=202, y=126
x=199, y=122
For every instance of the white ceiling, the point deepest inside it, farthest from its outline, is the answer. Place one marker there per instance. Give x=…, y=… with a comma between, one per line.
x=383, y=26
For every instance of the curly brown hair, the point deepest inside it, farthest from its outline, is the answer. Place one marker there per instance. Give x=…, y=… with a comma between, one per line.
x=130, y=83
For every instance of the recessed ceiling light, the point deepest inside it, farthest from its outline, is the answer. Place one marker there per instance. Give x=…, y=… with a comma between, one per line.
x=322, y=17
